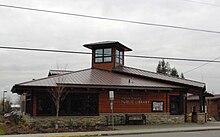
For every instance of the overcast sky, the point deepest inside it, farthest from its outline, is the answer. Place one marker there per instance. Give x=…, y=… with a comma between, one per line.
x=22, y=28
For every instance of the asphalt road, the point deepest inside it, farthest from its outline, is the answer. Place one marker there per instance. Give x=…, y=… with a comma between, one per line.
x=178, y=134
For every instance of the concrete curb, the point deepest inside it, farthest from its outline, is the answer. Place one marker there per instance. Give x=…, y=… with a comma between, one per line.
x=156, y=132
x=80, y=135
x=139, y=132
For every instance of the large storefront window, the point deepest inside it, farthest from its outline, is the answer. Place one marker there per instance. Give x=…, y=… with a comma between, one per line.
x=45, y=105
x=28, y=106
x=80, y=104
x=74, y=104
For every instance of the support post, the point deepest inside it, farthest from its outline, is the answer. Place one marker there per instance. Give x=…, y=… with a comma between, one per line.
x=201, y=102
x=166, y=102
x=185, y=106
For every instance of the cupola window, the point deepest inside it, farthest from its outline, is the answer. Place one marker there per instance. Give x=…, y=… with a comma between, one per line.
x=103, y=55
x=119, y=57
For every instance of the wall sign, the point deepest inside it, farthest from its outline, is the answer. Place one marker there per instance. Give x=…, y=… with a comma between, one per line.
x=157, y=106
x=134, y=100
x=111, y=95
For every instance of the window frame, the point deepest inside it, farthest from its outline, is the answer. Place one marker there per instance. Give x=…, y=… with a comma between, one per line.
x=103, y=56
x=119, y=57
x=161, y=107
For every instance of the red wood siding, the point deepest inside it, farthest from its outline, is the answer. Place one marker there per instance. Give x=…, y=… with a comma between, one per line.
x=191, y=104
x=213, y=108
x=133, y=102
x=105, y=66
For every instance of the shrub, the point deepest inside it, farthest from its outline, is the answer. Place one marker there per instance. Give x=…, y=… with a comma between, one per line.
x=36, y=125
x=72, y=124
x=88, y=123
x=53, y=123
x=17, y=118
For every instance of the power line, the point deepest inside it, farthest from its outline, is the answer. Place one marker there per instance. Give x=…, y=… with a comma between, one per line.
x=112, y=19
x=203, y=3
x=134, y=56
x=200, y=66
x=44, y=50
x=174, y=58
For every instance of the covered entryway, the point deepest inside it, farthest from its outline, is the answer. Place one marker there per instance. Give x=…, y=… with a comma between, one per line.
x=176, y=105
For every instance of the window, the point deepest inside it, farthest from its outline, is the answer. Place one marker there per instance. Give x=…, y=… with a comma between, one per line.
x=119, y=57
x=103, y=55
x=45, y=105
x=176, y=105
x=80, y=104
x=157, y=106
x=74, y=104
x=29, y=105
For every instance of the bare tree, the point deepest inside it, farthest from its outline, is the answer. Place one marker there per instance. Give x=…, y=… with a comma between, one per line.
x=58, y=94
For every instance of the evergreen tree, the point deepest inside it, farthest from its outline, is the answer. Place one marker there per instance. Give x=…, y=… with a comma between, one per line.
x=159, y=67
x=174, y=72
x=164, y=68
x=182, y=76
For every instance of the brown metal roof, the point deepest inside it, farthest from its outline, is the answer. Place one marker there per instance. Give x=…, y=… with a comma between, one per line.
x=148, y=74
x=193, y=97
x=95, y=77
x=107, y=44
x=216, y=96
x=208, y=96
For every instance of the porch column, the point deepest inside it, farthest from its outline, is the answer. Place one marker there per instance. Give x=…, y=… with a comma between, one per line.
x=185, y=106
x=24, y=103
x=202, y=102
x=167, y=104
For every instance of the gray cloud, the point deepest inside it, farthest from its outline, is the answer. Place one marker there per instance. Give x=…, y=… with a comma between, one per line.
x=45, y=30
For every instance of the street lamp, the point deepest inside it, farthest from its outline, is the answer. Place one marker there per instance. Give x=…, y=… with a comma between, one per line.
x=3, y=103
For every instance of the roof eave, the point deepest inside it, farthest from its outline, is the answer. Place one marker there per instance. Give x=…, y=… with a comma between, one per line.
x=119, y=87
x=21, y=89
x=118, y=44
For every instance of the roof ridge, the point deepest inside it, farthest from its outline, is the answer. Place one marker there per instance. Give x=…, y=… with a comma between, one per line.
x=164, y=75
x=48, y=77
x=61, y=70
x=101, y=42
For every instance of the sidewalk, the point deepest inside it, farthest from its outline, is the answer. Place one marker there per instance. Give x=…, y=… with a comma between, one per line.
x=134, y=129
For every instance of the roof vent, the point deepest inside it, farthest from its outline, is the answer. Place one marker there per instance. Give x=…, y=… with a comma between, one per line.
x=131, y=80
